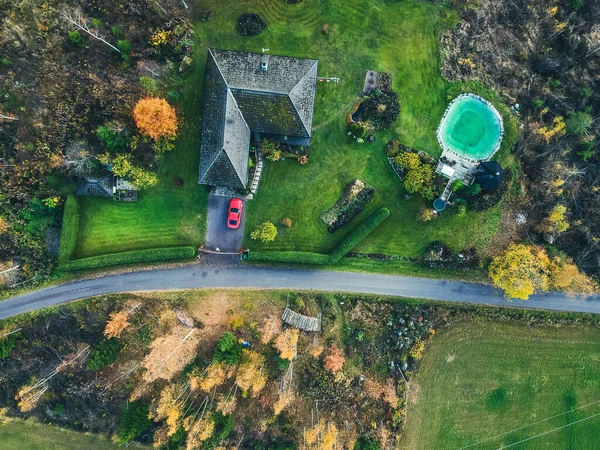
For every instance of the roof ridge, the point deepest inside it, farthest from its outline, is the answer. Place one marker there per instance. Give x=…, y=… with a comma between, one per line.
x=302, y=78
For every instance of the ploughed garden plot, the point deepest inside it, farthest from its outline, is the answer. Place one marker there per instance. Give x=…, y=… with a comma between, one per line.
x=497, y=384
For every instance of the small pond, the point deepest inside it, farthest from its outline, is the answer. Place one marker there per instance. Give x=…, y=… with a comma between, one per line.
x=471, y=127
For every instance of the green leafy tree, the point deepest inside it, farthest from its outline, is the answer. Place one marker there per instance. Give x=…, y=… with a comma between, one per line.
x=76, y=38
x=8, y=343
x=365, y=443
x=134, y=421
x=112, y=136
x=265, y=232
x=419, y=176
x=578, y=122
x=228, y=349
x=104, y=354
x=148, y=84
x=125, y=47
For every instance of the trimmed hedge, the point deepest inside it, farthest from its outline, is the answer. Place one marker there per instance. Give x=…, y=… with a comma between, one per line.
x=69, y=231
x=136, y=256
x=340, y=251
x=290, y=257
x=359, y=234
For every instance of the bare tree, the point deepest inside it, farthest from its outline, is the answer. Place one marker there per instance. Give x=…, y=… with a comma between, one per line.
x=78, y=20
x=5, y=117
x=78, y=159
x=9, y=274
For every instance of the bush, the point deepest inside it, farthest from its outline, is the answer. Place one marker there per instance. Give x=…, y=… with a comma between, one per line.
x=134, y=421
x=148, y=84
x=287, y=222
x=125, y=47
x=290, y=257
x=97, y=23
x=7, y=344
x=265, y=232
x=381, y=109
x=111, y=138
x=104, y=353
x=228, y=350
x=69, y=231
x=577, y=123
x=76, y=38
x=136, y=256
x=365, y=443
x=173, y=96
x=359, y=234
x=250, y=24
x=117, y=31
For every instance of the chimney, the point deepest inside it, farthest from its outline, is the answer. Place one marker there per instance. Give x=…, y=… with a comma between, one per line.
x=264, y=63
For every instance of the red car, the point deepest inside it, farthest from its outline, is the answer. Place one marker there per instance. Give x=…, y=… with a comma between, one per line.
x=234, y=214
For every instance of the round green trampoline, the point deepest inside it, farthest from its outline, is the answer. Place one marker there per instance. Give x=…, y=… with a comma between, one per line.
x=471, y=127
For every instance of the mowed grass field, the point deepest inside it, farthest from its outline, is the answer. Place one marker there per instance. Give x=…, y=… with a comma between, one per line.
x=481, y=384
x=396, y=37
x=29, y=435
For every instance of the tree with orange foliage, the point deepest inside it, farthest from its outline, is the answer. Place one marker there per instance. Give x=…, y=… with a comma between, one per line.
x=155, y=118
x=334, y=359
x=117, y=323
x=287, y=343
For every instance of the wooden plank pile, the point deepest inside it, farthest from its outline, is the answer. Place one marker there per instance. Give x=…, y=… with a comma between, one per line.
x=305, y=323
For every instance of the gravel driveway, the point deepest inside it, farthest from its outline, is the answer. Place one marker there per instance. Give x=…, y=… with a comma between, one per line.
x=217, y=233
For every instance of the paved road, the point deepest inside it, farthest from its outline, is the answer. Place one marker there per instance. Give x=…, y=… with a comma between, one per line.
x=217, y=233
x=199, y=276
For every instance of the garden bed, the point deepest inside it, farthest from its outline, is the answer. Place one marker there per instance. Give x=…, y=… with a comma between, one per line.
x=354, y=199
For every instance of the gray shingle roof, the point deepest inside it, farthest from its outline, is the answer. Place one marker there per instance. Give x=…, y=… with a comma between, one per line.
x=240, y=99
x=97, y=187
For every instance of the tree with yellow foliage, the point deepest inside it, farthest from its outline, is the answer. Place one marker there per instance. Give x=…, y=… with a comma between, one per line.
x=285, y=399
x=215, y=375
x=565, y=276
x=155, y=118
x=250, y=376
x=169, y=407
x=198, y=431
x=287, y=343
x=116, y=324
x=522, y=269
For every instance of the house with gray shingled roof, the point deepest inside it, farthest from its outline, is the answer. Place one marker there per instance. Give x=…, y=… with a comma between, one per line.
x=248, y=93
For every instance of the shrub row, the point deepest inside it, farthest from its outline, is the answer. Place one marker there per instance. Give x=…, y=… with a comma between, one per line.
x=69, y=231
x=359, y=234
x=290, y=257
x=136, y=256
x=318, y=258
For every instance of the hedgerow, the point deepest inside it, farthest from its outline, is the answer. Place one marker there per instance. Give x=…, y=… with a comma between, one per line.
x=290, y=257
x=359, y=234
x=69, y=231
x=136, y=256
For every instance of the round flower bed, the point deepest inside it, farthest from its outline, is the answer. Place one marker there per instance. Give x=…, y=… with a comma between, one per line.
x=250, y=24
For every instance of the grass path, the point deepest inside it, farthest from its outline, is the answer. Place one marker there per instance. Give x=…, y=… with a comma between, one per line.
x=483, y=379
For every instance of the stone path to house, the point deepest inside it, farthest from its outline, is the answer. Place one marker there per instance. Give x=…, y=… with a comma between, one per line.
x=218, y=236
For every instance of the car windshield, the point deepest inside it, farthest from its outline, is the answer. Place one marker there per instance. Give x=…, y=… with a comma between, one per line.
x=232, y=222
x=235, y=210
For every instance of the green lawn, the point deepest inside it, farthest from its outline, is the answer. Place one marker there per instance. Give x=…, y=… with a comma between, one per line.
x=484, y=379
x=166, y=216
x=374, y=34
x=21, y=435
